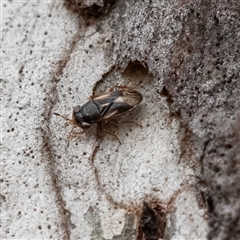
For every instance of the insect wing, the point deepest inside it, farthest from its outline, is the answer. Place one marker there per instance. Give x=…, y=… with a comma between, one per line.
x=117, y=109
x=117, y=102
x=107, y=98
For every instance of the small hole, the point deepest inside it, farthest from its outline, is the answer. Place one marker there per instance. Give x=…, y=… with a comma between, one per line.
x=228, y=146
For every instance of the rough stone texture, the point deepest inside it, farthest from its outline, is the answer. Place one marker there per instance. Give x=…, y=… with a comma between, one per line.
x=183, y=56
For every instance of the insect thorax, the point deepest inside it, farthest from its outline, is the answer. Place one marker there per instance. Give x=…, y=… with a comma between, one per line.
x=88, y=113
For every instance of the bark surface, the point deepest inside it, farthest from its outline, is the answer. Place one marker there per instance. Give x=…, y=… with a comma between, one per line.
x=169, y=177
x=193, y=48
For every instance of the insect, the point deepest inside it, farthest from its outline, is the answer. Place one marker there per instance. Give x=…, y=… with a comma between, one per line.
x=118, y=101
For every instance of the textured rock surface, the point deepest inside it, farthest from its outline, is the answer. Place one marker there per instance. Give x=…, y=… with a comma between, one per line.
x=183, y=57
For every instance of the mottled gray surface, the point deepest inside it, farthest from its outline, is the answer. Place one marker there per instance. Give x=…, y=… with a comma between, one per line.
x=193, y=48
x=183, y=57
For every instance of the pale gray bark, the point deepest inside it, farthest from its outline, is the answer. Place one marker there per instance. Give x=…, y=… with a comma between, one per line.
x=183, y=56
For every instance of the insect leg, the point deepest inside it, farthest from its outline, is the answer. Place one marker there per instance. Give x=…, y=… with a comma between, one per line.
x=100, y=127
x=113, y=135
x=120, y=121
x=73, y=134
x=130, y=122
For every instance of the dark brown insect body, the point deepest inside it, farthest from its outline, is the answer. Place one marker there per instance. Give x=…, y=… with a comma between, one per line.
x=118, y=101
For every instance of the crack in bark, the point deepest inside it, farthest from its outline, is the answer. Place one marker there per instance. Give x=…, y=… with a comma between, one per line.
x=48, y=152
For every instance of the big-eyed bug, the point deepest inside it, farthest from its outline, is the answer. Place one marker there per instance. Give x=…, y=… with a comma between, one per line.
x=118, y=101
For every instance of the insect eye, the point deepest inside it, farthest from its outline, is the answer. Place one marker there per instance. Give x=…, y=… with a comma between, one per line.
x=77, y=108
x=78, y=117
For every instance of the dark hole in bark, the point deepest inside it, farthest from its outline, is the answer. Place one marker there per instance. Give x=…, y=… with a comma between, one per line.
x=152, y=223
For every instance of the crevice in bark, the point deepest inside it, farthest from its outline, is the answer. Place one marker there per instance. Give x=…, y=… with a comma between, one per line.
x=152, y=223
x=90, y=9
x=48, y=152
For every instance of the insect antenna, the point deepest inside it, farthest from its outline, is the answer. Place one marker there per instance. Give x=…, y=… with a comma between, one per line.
x=69, y=121
x=66, y=118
